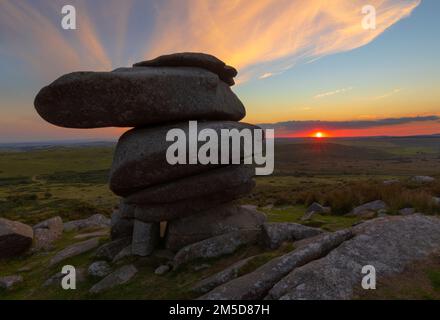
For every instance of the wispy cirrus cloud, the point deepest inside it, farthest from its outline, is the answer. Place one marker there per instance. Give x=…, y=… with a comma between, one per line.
x=388, y=94
x=264, y=38
x=332, y=93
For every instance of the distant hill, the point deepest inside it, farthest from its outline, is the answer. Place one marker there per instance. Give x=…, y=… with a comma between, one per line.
x=320, y=150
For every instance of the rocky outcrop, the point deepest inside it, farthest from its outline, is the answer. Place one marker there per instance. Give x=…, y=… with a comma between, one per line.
x=145, y=238
x=99, y=269
x=9, y=282
x=215, y=247
x=213, y=222
x=140, y=156
x=230, y=273
x=47, y=232
x=74, y=250
x=109, y=250
x=274, y=234
x=121, y=225
x=116, y=278
x=256, y=284
x=373, y=206
x=93, y=222
x=193, y=59
x=389, y=244
x=136, y=97
x=184, y=96
x=15, y=238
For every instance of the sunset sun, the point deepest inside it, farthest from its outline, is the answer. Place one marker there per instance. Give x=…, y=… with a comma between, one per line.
x=319, y=134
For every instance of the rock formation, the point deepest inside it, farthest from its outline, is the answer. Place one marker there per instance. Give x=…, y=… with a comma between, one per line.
x=154, y=97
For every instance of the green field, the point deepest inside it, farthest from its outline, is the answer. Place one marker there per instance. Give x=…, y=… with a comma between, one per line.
x=72, y=182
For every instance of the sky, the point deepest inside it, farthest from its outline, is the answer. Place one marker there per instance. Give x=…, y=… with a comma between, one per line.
x=304, y=66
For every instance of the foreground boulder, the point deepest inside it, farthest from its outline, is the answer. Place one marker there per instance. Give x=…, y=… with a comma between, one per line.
x=93, y=222
x=389, y=244
x=213, y=222
x=256, y=284
x=136, y=97
x=193, y=59
x=118, y=277
x=211, y=282
x=99, y=269
x=15, y=238
x=215, y=247
x=109, y=250
x=274, y=234
x=140, y=156
x=74, y=250
x=9, y=282
x=373, y=206
x=47, y=232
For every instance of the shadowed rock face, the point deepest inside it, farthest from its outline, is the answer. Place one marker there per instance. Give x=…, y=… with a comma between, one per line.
x=210, y=223
x=15, y=238
x=140, y=156
x=389, y=244
x=136, y=97
x=193, y=59
x=199, y=185
x=180, y=209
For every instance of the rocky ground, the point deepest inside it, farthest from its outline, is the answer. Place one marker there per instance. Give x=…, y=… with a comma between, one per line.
x=288, y=260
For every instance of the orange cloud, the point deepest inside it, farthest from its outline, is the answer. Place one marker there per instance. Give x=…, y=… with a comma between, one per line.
x=267, y=37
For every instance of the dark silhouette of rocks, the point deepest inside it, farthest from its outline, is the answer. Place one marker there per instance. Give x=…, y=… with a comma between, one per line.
x=195, y=200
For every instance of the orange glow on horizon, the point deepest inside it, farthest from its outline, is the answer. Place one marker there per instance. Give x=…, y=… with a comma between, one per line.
x=319, y=134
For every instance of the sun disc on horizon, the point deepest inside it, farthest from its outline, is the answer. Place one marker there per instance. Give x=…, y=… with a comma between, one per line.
x=319, y=135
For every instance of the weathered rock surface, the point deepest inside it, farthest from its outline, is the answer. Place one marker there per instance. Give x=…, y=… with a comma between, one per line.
x=99, y=269
x=213, y=222
x=422, y=179
x=389, y=244
x=140, y=156
x=162, y=269
x=193, y=59
x=47, y=232
x=206, y=183
x=230, y=273
x=145, y=238
x=95, y=221
x=124, y=253
x=274, y=234
x=121, y=226
x=74, y=250
x=125, y=210
x=318, y=208
x=9, y=282
x=215, y=246
x=109, y=250
x=407, y=211
x=55, y=280
x=372, y=206
x=436, y=200
x=99, y=234
x=256, y=284
x=118, y=277
x=136, y=97
x=15, y=238
x=181, y=209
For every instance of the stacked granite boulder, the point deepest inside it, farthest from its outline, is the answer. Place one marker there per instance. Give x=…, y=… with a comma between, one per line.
x=191, y=202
